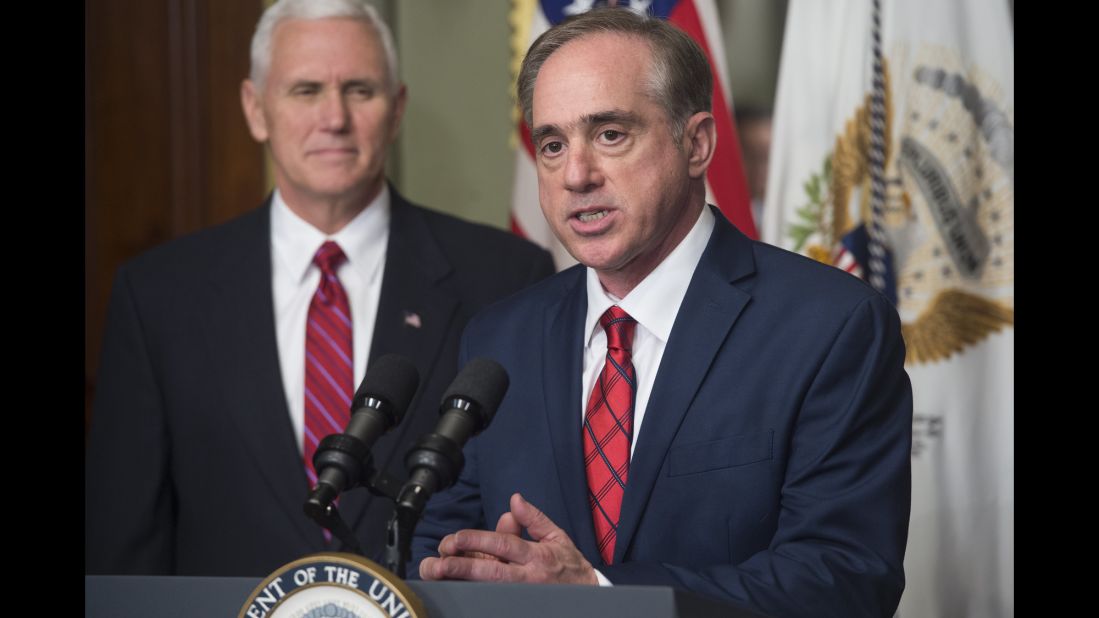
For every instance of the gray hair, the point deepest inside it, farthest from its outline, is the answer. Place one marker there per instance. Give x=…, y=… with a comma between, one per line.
x=679, y=79
x=318, y=9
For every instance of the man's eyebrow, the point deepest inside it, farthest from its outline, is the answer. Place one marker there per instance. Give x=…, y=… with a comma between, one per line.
x=368, y=82
x=587, y=120
x=614, y=115
x=543, y=131
x=303, y=82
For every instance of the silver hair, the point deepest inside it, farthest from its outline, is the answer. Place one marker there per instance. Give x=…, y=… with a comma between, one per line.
x=318, y=9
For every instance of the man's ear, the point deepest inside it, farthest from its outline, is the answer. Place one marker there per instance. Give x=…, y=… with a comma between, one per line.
x=399, y=101
x=253, y=110
x=699, y=140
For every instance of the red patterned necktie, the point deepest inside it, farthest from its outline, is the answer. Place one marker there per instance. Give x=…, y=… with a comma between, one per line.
x=329, y=372
x=608, y=429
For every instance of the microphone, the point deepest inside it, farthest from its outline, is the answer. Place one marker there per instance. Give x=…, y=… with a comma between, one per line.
x=378, y=406
x=467, y=408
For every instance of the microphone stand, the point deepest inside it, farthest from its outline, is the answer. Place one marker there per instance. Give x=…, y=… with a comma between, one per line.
x=434, y=463
x=322, y=510
x=398, y=539
x=407, y=509
x=329, y=517
x=408, y=504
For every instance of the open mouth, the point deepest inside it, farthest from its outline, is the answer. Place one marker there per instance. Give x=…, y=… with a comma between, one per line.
x=588, y=217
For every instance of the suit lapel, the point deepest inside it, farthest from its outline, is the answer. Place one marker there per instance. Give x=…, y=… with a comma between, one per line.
x=245, y=353
x=414, y=319
x=563, y=349
x=709, y=310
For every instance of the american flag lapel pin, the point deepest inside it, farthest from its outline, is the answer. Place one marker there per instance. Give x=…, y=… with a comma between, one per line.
x=411, y=318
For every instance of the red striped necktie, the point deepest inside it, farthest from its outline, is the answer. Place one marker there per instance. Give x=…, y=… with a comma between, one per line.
x=329, y=370
x=608, y=429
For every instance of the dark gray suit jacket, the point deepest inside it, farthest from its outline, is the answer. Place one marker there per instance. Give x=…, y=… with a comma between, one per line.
x=192, y=466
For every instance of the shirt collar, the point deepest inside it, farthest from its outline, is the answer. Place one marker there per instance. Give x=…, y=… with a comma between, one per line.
x=295, y=241
x=654, y=302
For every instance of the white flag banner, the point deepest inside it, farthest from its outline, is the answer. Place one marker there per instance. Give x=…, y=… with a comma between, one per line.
x=931, y=209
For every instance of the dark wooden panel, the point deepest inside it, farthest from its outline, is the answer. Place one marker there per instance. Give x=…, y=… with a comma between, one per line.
x=235, y=162
x=166, y=149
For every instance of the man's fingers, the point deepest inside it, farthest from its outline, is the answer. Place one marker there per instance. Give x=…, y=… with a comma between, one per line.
x=508, y=525
x=539, y=526
x=469, y=554
x=506, y=547
x=428, y=568
x=470, y=569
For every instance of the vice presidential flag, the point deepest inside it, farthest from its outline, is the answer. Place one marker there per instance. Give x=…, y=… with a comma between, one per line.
x=894, y=159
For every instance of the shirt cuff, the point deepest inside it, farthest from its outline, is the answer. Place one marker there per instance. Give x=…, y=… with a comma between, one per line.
x=603, y=581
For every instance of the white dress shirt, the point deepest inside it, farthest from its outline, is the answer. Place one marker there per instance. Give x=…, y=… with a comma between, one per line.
x=294, y=279
x=654, y=303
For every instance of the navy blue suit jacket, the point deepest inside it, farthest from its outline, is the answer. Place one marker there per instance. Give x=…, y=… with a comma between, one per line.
x=772, y=468
x=192, y=464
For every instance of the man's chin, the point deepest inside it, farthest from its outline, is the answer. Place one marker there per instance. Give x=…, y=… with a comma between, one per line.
x=338, y=189
x=593, y=255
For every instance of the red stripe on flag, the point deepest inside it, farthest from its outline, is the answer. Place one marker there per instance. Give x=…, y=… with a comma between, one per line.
x=515, y=229
x=726, y=173
x=524, y=136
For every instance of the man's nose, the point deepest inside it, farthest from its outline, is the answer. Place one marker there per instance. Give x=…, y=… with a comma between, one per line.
x=582, y=170
x=335, y=115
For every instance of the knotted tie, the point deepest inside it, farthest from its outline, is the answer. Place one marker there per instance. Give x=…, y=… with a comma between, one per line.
x=608, y=429
x=329, y=372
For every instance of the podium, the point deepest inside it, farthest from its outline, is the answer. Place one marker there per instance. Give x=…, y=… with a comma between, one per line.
x=186, y=597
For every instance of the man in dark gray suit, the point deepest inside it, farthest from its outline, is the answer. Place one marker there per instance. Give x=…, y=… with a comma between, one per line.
x=197, y=453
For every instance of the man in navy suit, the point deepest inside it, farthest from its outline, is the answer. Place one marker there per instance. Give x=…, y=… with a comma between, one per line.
x=687, y=407
x=196, y=462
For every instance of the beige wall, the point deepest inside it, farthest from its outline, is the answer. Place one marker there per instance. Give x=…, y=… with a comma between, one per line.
x=453, y=151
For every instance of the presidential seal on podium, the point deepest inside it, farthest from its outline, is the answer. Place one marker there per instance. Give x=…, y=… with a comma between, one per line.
x=332, y=585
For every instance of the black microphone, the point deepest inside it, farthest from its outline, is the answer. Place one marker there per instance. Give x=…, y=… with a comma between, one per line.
x=467, y=408
x=378, y=406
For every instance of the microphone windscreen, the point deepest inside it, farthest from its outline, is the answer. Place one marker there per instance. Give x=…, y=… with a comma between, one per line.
x=391, y=378
x=484, y=381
